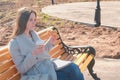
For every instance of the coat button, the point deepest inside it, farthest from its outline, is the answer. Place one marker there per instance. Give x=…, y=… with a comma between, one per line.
x=37, y=58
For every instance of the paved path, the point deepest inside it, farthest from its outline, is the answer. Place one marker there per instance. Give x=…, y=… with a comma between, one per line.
x=106, y=69
x=84, y=12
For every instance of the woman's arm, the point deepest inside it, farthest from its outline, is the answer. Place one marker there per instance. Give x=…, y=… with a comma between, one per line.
x=23, y=63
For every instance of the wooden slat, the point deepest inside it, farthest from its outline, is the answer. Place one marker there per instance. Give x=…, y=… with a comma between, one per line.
x=48, y=34
x=58, y=42
x=55, y=49
x=41, y=33
x=81, y=59
x=58, y=53
x=5, y=56
x=69, y=57
x=45, y=36
x=9, y=73
x=64, y=56
x=76, y=57
x=6, y=65
x=3, y=49
x=87, y=61
x=15, y=77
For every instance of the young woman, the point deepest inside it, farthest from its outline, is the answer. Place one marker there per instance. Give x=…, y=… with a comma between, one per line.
x=30, y=53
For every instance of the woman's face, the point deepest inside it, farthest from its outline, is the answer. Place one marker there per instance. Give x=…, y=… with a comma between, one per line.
x=31, y=22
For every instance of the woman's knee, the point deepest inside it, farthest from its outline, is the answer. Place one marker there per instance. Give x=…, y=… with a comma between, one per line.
x=72, y=71
x=76, y=72
x=74, y=66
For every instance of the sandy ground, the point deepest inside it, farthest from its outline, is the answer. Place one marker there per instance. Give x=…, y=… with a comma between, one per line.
x=105, y=40
x=106, y=69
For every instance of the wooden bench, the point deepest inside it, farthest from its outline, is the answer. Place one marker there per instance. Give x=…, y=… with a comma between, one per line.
x=82, y=56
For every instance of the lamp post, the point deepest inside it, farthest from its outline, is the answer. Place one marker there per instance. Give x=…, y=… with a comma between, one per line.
x=52, y=1
x=97, y=17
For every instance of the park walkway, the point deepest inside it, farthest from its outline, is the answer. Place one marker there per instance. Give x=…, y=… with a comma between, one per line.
x=84, y=12
x=106, y=69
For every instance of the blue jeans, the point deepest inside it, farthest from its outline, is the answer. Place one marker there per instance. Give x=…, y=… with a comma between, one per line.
x=70, y=72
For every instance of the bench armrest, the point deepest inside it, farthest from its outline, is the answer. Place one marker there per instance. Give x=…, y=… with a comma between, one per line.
x=79, y=49
x=76, y=49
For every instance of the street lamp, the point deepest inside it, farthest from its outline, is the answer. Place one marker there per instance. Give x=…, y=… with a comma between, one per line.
x=52, y=1
x=97, y=17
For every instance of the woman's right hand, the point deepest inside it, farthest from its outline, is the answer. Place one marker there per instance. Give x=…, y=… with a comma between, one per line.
x=53, y=36
x=38, y=49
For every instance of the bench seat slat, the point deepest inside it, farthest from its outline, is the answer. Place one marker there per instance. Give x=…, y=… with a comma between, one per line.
x=87, y=61
x=76, y=57
x=81, y=59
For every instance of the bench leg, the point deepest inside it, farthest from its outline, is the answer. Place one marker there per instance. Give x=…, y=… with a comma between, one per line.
x=90, y=69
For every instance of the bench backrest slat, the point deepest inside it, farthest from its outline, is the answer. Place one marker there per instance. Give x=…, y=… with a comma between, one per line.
x=3, y=49
x=5, y=56
x=15, y=77
x=57, y=47
x=64, y=56
x=6, y=65
x=8, y=73
x=69, y=57
x=58, y=53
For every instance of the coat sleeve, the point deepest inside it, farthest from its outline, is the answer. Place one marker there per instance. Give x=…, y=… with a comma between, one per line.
x=23, y=63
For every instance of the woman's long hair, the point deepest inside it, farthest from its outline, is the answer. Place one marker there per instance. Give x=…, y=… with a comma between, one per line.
x=21, y=20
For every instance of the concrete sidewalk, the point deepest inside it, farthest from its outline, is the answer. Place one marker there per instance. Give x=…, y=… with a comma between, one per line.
x=106, y=69
x=84, y=12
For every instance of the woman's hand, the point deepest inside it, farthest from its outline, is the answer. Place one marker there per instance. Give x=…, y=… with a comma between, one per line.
x=53, y=36
x=53, y=39
x=38, y=49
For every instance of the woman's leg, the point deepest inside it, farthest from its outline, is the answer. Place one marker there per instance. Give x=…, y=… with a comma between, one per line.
x=70, y=72
x=61, y=75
